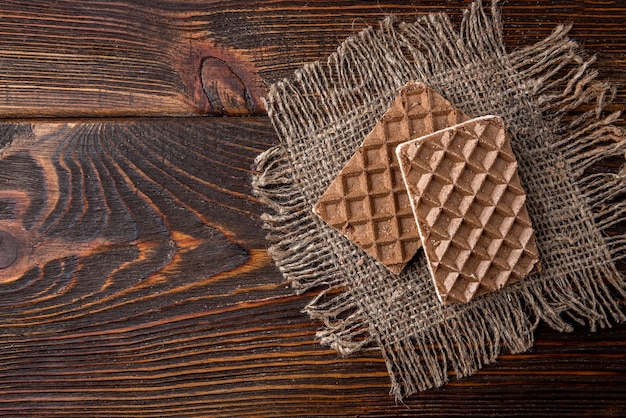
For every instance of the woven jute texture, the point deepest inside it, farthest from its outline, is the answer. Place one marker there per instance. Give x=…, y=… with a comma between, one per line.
x=325, y=111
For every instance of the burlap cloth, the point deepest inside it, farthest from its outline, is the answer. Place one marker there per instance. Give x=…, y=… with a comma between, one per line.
x=323, y=114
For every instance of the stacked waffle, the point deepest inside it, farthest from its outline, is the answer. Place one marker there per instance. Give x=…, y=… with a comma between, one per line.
x=429, y=176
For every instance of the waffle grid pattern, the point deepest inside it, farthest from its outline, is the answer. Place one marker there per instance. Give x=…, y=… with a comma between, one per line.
x=470, y=206
x=368, y=201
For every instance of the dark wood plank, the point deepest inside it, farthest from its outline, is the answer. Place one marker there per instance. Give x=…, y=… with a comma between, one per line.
x=140, y=286
x=169, y=57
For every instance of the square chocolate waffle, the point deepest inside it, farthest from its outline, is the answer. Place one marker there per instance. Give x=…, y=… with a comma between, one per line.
x=470, y=208
x=367, y=201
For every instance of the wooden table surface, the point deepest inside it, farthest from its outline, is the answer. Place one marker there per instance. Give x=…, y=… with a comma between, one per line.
x=134, y=279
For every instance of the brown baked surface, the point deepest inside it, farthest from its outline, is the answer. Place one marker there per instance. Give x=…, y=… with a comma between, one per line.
x=367, y=201
x=470, y=207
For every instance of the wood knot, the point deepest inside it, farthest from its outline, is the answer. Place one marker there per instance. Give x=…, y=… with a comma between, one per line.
x=8, y=250
x=226, y=91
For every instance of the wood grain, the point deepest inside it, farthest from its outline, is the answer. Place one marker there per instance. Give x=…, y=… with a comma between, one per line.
x=134, y=279
x=141, y=287
x=169, y=57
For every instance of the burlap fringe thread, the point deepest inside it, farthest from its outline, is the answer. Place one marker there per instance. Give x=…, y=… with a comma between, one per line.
x=325, y=111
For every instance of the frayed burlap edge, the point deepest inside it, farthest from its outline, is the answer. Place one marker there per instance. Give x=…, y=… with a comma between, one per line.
x=323, y=113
